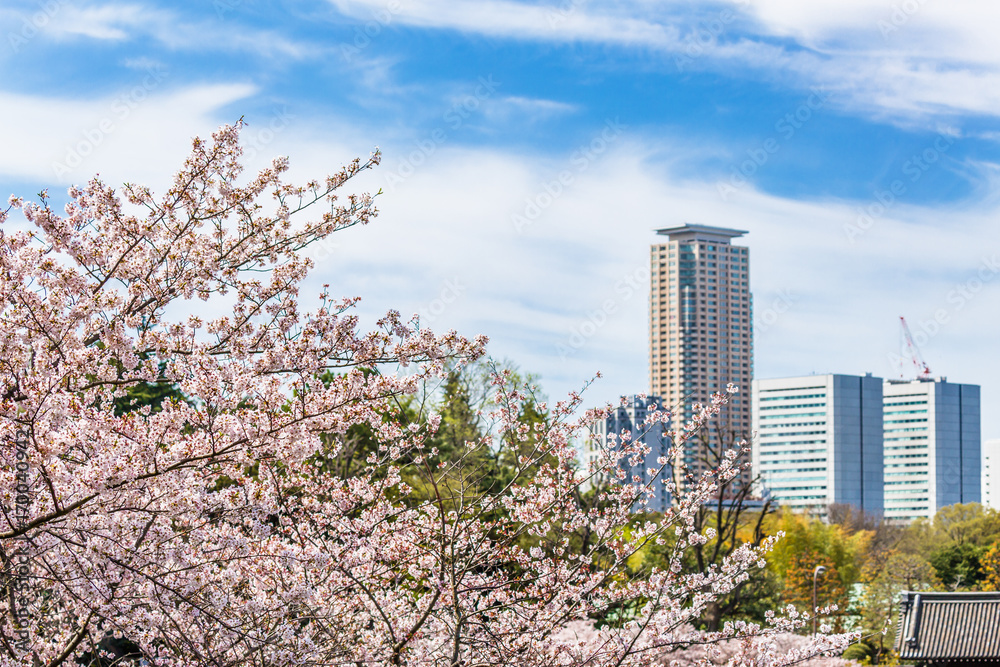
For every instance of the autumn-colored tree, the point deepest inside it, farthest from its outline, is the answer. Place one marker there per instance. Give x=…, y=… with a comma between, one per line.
x=228, y=529
x=808, y=535
x=989, y=565
x=830, y=589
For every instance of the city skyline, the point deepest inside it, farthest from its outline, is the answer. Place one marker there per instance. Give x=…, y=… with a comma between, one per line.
x=500, y=332
x=858, y=148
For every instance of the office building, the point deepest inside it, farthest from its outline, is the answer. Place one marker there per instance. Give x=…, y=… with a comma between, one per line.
x=630, y=416
x=932, y=446
x=819, y=441
x=701, y=333
x=991, y=474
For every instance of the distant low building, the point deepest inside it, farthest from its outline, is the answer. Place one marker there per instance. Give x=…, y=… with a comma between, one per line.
x=949, y=629
x=630, y=415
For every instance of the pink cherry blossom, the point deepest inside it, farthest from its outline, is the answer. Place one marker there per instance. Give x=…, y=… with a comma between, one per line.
x=218, y=531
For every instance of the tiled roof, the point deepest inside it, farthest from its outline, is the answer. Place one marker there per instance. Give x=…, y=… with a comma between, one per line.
x=949, y=627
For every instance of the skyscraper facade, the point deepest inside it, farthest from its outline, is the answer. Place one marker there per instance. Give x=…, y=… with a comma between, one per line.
x=819, y=441
x=932, y=446
x=630, y=415
x=701, y=331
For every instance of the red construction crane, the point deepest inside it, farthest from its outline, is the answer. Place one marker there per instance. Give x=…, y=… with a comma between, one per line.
x=923, y=370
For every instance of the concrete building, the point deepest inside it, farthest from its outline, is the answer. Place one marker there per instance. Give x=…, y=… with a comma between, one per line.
x=819, y=441
x=932, y=446
x=630, y=415
x=991, y=474
x=701, y=331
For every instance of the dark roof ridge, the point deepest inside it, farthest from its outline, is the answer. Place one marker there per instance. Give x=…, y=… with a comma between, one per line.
x=930, y=596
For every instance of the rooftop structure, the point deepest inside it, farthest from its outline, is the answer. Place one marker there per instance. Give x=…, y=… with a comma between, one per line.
x=949, y=628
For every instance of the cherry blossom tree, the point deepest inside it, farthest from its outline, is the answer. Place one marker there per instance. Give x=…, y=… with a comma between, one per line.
x=217, y=530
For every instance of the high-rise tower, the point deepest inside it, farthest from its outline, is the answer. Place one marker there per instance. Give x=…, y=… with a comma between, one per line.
x=701, y=331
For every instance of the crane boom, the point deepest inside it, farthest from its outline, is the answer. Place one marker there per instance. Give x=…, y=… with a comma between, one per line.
x=923, y=370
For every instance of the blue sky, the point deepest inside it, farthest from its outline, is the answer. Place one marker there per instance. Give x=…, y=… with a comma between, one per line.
x=531, y=148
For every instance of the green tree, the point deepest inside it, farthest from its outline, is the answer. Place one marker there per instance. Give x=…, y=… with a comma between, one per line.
x=152, y=394
x=968, y=523
x=957, y=565
x=459, y=422
x=885, y=580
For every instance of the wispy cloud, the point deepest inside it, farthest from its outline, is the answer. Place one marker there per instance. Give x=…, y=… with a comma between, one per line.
x=108, y=22
x=918, y=59
x=924, y=62
x=525, y=109
x=505, y=18
x=122, y=22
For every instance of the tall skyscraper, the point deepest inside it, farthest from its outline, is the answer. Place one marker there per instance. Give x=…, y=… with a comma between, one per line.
x=819, y=441
x=991, y=474
x=630, y=415
x=932, y=446
x=701, y=331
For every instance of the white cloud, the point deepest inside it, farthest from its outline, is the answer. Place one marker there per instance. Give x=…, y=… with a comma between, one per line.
x=108, y=22
x=141, y=133
x=124, y=22
x=521, y=109
x=915, y=58
x=505, y=18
